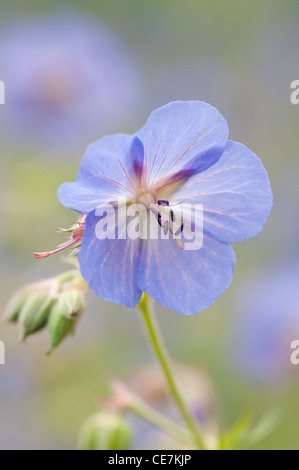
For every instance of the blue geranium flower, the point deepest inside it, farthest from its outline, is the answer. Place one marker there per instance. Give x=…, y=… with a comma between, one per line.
x=182, y=155
x=68, y=76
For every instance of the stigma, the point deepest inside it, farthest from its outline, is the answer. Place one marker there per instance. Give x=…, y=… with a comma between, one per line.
x=73, y=242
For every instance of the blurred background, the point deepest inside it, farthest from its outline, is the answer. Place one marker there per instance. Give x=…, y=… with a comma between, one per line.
x=75, y=74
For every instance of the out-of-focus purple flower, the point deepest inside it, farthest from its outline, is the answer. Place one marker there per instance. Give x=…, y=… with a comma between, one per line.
x=198, y=391
x=181, y=155
x=68, y=78
x=267, y=325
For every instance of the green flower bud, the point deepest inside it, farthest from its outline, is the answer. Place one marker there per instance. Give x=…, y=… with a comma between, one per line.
x=27, y=305
x=35, y=312
x=64, y=316
x=106, y=430
x=71, y=303
x=58, y=301
x=15, y=304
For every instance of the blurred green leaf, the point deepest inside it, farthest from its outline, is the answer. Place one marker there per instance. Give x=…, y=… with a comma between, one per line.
x=244, y=434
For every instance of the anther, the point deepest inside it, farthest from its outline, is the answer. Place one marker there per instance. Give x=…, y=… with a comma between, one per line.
x=159, y=218
x=179, y=230
x=163, y=203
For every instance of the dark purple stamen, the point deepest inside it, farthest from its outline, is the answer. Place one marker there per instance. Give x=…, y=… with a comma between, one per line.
x=172, y=215
x=163, y=203
x=159, y=219
x=179, y=230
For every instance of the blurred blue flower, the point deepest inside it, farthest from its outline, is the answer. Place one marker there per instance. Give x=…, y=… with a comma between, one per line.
x=68, y=78
x=147, y=383
x=182, y=154
x=267, y=325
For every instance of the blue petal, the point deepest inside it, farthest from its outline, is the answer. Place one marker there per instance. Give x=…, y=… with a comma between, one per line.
x=182, y=134
x=235, y=193
x=185, y=281
x=105, y=173
x=108, y=266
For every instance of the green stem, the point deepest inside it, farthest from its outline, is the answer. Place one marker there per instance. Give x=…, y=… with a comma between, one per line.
x=162, y=355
